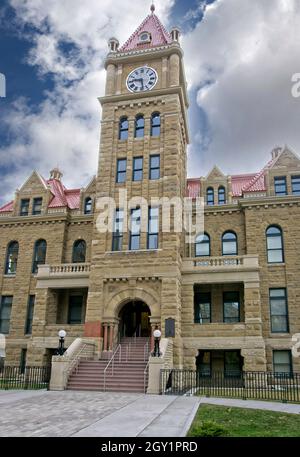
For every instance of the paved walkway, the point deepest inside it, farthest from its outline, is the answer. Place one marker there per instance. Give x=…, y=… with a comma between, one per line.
x=111, y=414
x=253, y=404
x=71, y=413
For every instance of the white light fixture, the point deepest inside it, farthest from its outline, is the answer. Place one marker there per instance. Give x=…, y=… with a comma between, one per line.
x=62, y=334
x=157, y=333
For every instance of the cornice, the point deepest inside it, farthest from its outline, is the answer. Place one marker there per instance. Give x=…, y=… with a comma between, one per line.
x=46, y=219
x=139, y=54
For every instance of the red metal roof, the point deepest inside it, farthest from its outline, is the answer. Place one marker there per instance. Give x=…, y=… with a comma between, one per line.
x=238, y=182
x=7, y=207
x=159, y=35
x=62, y=197
x=193, y=188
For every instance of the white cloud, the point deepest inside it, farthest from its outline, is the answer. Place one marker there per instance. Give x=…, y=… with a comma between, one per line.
x=242, y=56
x=64, y=130
x=248, y=51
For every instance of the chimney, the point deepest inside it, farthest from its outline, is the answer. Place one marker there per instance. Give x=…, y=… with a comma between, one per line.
x=113, y=44
x=56, y=174
x=175, y=33
x=275, y=152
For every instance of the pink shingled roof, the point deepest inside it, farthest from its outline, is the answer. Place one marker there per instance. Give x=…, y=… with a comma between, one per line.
x=7, y=207
x=73, y=198
x=193, y=188
x=254, y=182
x=62, y=197
x=238, y=182
x=159, y=35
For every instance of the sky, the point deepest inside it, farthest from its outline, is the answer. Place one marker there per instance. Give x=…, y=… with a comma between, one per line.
x=239, y=55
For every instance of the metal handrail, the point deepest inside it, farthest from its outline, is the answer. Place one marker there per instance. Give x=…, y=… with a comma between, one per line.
x=111, y=361
x=146, y=350
x=145, y=374
x=128, y=350
x=74, y=363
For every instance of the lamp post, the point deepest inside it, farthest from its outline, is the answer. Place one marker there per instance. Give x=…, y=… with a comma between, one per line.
x=62, y=335
x=157, y=335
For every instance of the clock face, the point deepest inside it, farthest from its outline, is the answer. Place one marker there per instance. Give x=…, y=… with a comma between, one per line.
x=141, y=79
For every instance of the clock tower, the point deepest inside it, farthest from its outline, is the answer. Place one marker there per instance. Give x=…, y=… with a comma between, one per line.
x=135, y=280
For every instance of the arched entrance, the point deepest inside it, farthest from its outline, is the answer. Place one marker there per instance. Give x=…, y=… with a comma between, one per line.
x=135, y=320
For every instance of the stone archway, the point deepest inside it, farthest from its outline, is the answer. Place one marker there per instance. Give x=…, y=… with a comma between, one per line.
x=117, y=302
x=134, y=320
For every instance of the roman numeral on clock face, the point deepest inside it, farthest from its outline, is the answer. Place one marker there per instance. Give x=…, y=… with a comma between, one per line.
x=141, y=79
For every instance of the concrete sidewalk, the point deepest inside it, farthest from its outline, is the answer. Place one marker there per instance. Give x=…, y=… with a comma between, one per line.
x=108, y=414
x=150, y=415
x=253, y=404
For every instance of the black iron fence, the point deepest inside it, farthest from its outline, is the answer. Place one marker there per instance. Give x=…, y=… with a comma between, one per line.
x=283, y=387
x=29, y=377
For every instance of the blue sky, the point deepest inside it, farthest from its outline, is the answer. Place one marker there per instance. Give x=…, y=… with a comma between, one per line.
x=239, y=58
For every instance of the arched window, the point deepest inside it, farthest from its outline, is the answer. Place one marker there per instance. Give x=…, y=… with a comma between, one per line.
x=12, y=258
x=39, y=254
x=88, y=205
x=79, y=251
x=123, y=128
x=202, y=245
x=274, y=244
x=155, y=124
x=209, y=196
x=221, y=195
x=139, y=126
x=229, y=244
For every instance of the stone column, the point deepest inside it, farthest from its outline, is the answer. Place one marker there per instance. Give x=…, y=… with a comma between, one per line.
x=105, y=337
x=110, y=79
x=174, y=70
x=111, y=336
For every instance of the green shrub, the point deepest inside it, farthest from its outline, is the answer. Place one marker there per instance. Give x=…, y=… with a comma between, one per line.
x=208, y=429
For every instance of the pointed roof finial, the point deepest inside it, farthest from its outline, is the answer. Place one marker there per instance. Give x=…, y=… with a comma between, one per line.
x=152, y=8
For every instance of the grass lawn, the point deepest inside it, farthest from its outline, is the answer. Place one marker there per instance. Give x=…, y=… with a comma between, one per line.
x=212, y=420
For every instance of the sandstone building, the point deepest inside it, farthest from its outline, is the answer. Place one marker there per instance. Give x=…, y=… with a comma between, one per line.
x=233, y=293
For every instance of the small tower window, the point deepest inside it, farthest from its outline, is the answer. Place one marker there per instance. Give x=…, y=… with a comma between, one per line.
x=145, y=37
x=139, y=126
x=155, y=124
x=123, y=128
x=88, y=205
x=210, y=196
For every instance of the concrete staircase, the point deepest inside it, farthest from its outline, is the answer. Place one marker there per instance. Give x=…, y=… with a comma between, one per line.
x=128, y=374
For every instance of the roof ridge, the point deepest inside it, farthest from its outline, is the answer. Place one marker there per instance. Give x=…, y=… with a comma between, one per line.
x=155, y=25
x=257, y=176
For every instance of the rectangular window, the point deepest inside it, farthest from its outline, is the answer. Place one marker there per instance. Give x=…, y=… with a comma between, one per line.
x=232, y=363
x=280, y=185
x=37, y=206
x=118, y=231
x=153, y=228
x=278, y=311
x=135, y=229
x=75, y=309
x=296, y=185
x=204, y=364
x=137, y=174
x=24, y=209
x=29, y=317
x=282, y=362
x=202, y=307
x=231, y=307
x=154, y=171
x=5, y=311
x=121, y=170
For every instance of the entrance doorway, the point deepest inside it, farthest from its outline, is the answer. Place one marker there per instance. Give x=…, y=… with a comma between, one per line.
x=135, y=320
